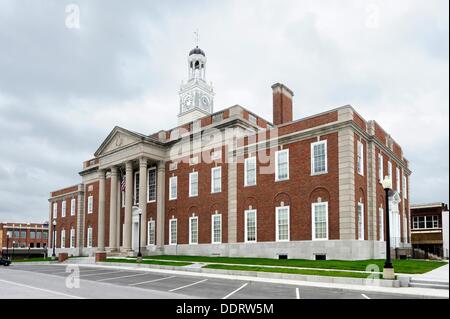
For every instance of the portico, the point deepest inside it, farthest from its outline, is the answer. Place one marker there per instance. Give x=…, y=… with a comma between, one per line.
x=126, y=155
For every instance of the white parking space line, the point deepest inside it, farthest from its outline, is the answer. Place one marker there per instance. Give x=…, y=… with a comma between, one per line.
x=40, y=289
x=195, y=283
x=365, y=296
x=82, y=271
x=128, y=276
x=149, y=281
x=102, y=273
x=235, y=291
x=297, y=293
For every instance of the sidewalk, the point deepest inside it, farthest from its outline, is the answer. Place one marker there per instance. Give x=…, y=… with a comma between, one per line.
x=440, y=274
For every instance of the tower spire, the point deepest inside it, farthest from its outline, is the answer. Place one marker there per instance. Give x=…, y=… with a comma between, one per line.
x=197, y=37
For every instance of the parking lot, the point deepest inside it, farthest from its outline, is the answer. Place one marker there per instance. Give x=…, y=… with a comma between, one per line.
x=98, y=282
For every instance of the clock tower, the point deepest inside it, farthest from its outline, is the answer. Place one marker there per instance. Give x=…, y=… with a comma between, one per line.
x=196, y=96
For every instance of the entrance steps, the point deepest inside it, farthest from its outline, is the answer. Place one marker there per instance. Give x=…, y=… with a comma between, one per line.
x=427, y=283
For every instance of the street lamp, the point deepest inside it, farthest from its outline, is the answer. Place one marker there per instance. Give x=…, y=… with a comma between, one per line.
x=139, y=255
x=54, y=239
x=8, y=236
x=388, y=271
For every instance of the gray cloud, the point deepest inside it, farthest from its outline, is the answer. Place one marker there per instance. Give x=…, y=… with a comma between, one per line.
x=62, y=90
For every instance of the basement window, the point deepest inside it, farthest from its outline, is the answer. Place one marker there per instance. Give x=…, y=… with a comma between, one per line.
x=320, y=257
x=282, y=256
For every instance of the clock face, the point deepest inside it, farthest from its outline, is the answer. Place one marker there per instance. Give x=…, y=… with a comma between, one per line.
x=187, y=102
x=205, y=102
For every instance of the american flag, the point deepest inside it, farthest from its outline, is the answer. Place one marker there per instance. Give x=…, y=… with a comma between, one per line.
x=122, y=181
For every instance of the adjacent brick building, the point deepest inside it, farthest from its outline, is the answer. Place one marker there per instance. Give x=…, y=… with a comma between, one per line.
x=24, y=238
x=231, y=183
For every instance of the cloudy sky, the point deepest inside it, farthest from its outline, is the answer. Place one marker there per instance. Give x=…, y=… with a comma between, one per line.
x=65, y=83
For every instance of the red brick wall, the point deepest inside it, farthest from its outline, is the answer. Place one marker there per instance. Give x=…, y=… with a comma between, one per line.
x=309, y=123
x=299, y=192
x=91, y=219
x=204, y=205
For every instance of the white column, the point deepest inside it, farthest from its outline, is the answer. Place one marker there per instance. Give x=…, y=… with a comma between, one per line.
x=143, y=199
x=113, y=210
x=128, y=206
x=119, y=209
x=101, y=211
x=160, y=205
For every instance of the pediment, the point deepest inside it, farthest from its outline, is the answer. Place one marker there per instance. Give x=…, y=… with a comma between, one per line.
x=117, y=139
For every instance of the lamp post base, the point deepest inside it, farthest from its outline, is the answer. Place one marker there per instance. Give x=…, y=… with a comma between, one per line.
x=139, y=259
x=388, y=273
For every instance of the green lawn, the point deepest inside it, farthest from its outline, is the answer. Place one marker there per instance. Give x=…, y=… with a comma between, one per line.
x=401, y=266
x=330, y=273
x=148, y=262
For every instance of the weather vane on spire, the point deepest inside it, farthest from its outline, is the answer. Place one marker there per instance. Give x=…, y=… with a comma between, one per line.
x=197, y=37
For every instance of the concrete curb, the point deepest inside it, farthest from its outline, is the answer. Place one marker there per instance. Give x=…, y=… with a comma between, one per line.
x=308, y=278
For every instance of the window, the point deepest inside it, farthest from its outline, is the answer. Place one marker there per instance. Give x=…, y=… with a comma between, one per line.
x=90, y=209
x=32, y=234
x=320, y=221
x=250, y=226
x=282, y=226
x=250, y=171
x=216, y=229
x=397, y=179
x=136, y=188
x=55, y=210
x=72, y=237
x=405, y=187
x=172, y=232
x=63, y=238
x=15, y=234
x=390, y=169
x=360, y=159
x=319, y=159
x=216, y=179
x=282, y=165
x=38, y=235
x=89, y=237
x=151, y=184
x=63, y=208
x=381, y=223
x=72, y=207
x=45, y=235
x=252, y=119
x=173, y=188
x=23, y=234
x=380, y=168
x=151, y=232
x=426, y=222
x=193, y=230
x=360, y=221
x=193, y=184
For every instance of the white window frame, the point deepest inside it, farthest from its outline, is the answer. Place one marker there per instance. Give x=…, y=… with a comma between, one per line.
x=380, y=168
x=90, y=239
x=381, y=223
x=191, y=189
x=212, y=228
x=72, y=237
x=277, y=225
x=313, y=220
x=361, y=233
x=191, y=242
x=246, y=161
x=63, y=238
x=151, y=225
x=246, y=213
x=90, y=204
x=151, y=169
x=313, y=160
x=72, y=206
x=55, y=210
x=213, y=170
x=173, y=179
x=390, y=169
x=170, y=231
x=277, y=172
x=360, y=158
x=397, y=179
x=63, y=208
x=136, y=188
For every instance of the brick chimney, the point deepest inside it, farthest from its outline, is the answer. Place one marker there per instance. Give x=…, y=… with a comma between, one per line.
x=282, y=104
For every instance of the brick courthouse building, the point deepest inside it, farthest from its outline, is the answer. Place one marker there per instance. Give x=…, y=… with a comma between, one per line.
x=231, y=183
